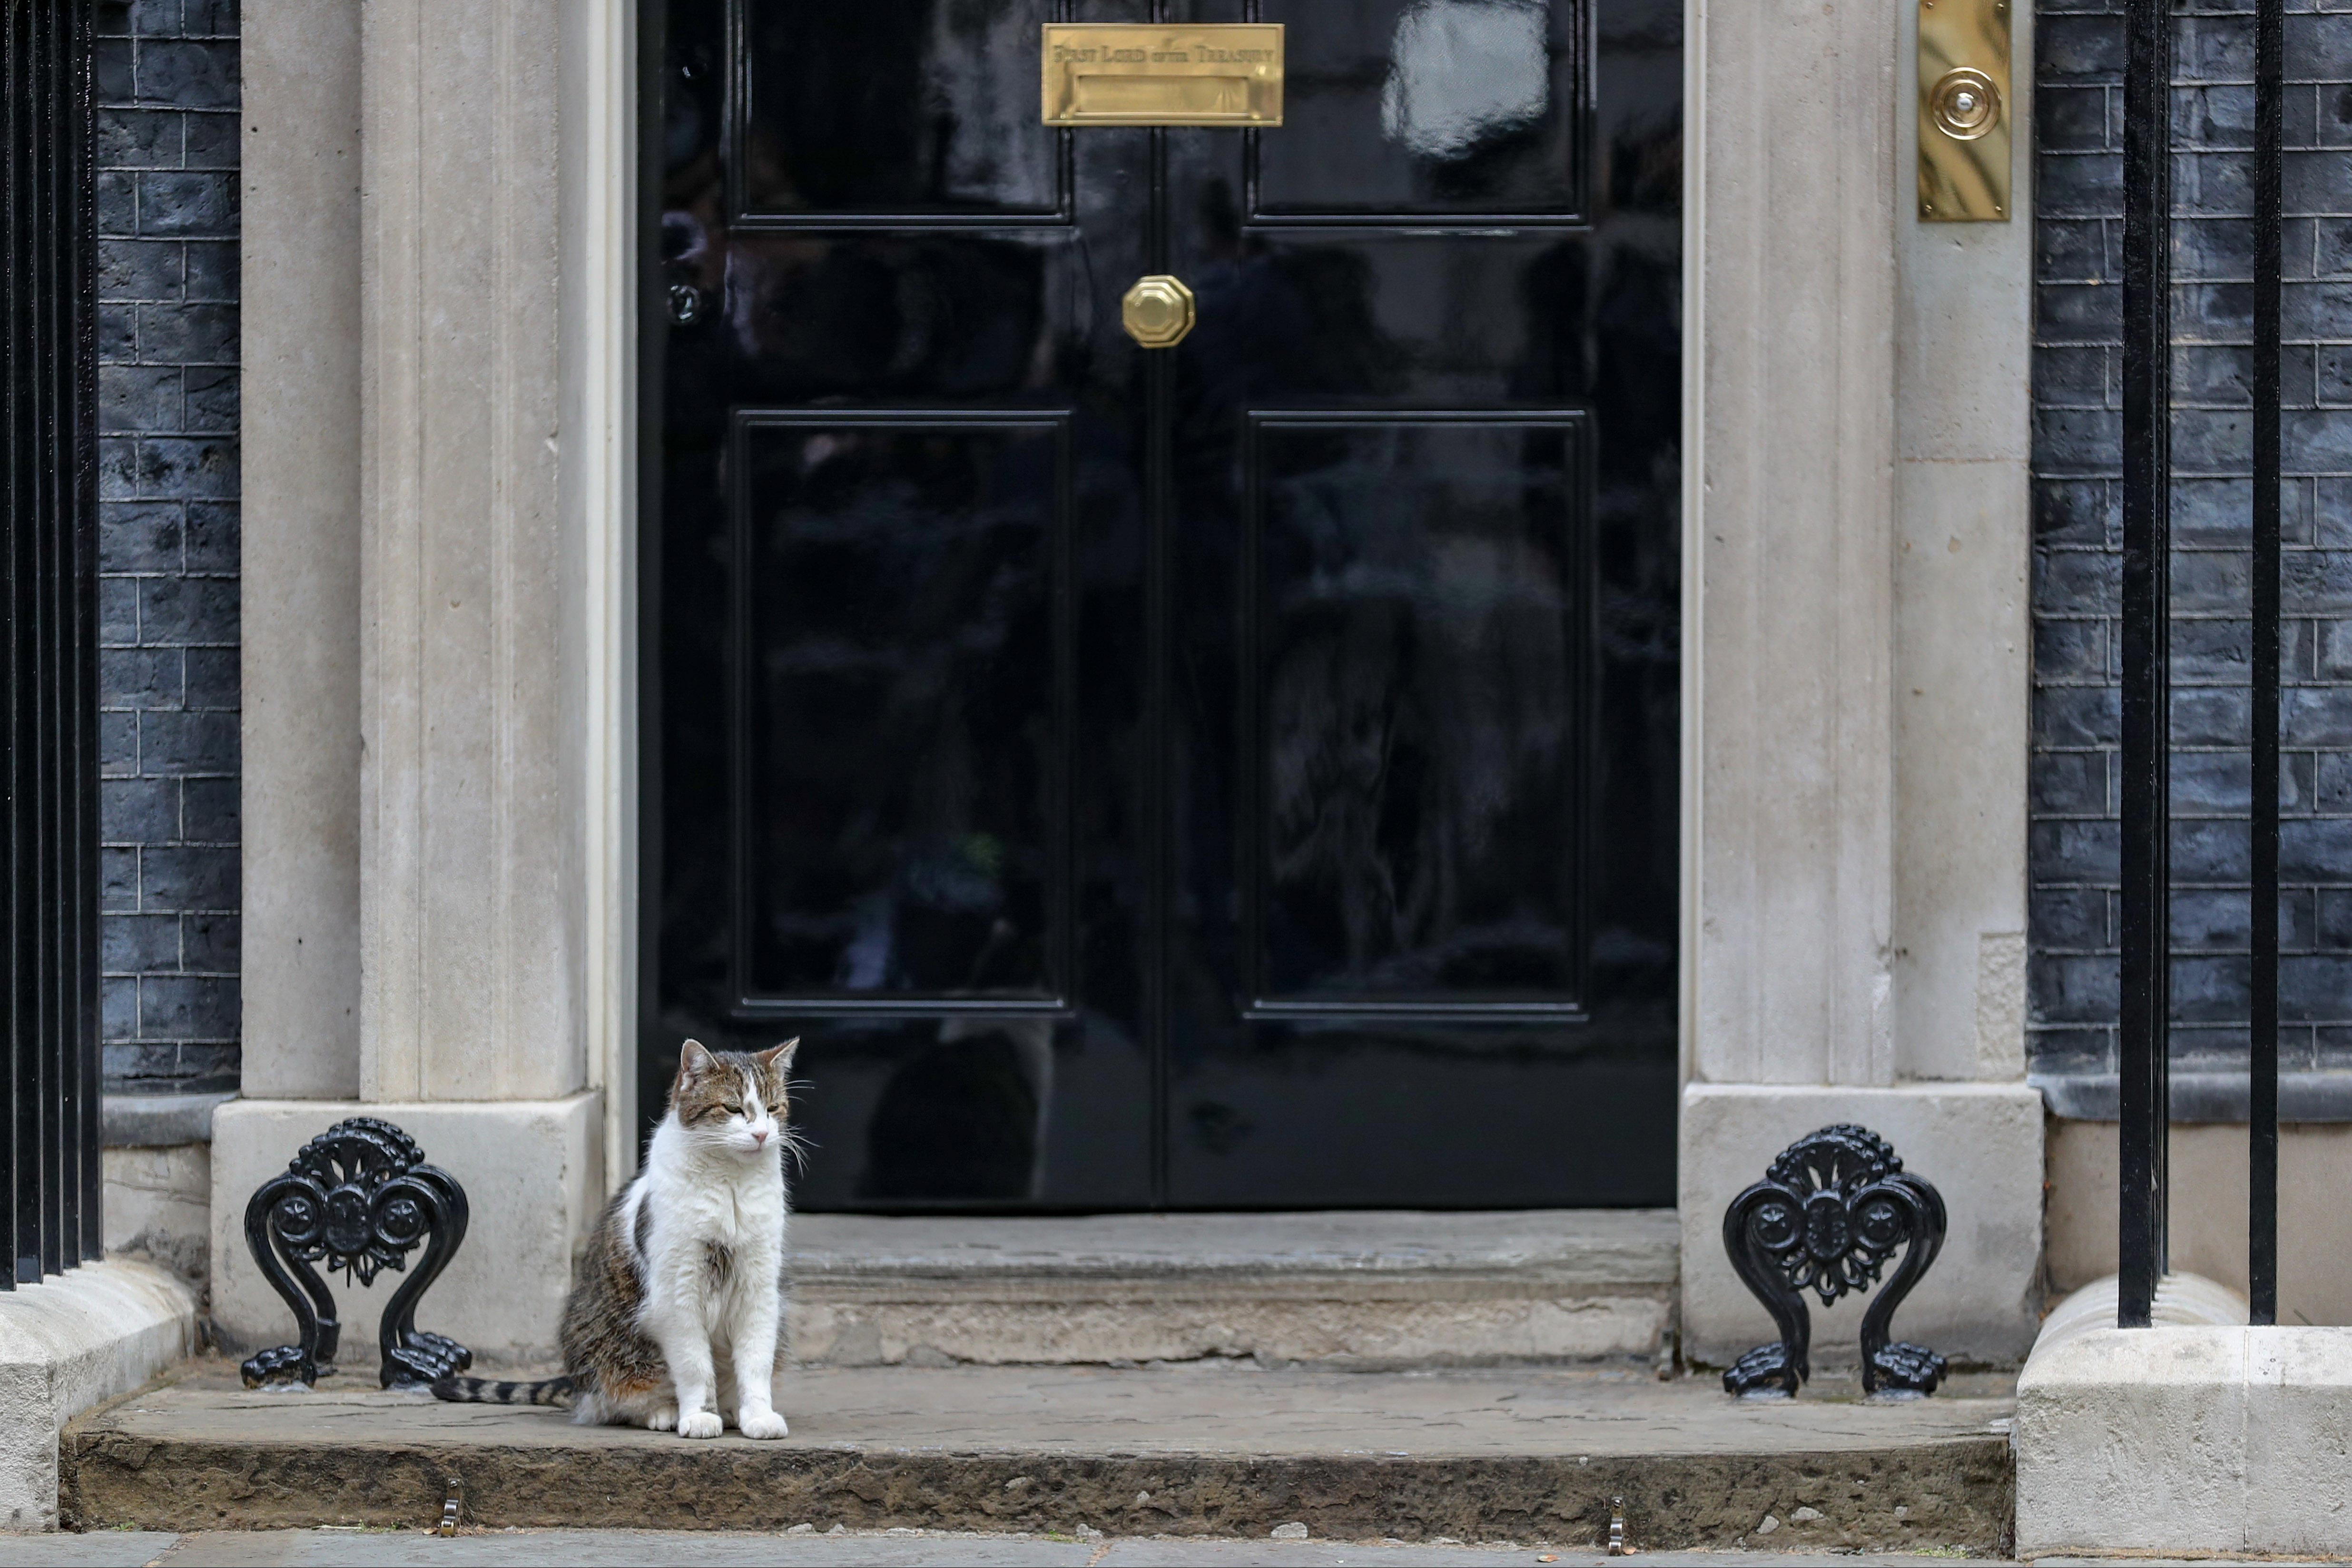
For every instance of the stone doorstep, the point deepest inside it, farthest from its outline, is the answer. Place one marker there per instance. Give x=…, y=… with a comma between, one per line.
x=1527, y=1454
x=68, y=1344
x=1355, y=1289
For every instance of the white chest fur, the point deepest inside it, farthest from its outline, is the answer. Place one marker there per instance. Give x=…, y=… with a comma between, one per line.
x=711, y=1235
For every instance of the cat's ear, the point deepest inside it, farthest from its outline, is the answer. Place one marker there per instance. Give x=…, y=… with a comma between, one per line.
x=694, y=1060
x=778, y=1062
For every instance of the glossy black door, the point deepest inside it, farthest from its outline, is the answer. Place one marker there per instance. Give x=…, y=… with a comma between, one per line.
x=1241, y=774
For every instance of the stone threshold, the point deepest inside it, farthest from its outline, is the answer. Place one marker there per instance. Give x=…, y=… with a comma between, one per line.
x=1366, y=1291
x=1215, y=1451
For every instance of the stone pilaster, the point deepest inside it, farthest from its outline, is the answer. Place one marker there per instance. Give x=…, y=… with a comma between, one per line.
x=467, y=864
x=1789, y=550
x=301, y=627
x=448, y=571
x=1856, y=672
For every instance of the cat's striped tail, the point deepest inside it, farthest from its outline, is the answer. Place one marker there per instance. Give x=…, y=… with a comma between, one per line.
x=492, y=1391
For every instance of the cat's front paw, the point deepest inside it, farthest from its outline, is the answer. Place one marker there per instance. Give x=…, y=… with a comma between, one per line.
x=763, y=1423
x=663, y=1420
x=700, y=1424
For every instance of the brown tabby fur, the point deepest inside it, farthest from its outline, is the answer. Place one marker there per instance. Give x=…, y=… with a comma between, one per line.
x=603, y=1350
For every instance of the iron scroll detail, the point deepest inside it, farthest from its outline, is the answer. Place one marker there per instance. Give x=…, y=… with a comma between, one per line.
x=361, y=1198
x=1831, y=1210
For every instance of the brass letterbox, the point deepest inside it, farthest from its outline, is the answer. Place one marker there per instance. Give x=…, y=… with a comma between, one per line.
x=1103, y=73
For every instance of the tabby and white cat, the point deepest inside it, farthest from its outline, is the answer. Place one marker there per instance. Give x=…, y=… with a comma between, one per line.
x=674, y=1313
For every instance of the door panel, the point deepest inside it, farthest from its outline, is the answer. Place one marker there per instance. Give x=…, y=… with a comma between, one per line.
x=1239, y=774
x=903, y=654
x=1413, y=627
x=886, y=108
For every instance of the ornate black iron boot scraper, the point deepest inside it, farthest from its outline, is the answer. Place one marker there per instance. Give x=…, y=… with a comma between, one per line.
x=361, y=1196
x=1827, y=1215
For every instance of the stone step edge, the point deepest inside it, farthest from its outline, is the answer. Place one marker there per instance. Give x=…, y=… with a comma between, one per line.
x=1355, y=1335
x=1355, y=1252
x=1015, y=1289
x=1955, y=1495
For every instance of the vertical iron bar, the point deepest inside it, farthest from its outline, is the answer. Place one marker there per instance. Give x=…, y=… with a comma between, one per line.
x=24, y=1045
x=48, y=531
x=13, y=459
x=83, y=113
x=2262, y=1120
x=38, y=1122
x=45, y=506
x=2147, y=683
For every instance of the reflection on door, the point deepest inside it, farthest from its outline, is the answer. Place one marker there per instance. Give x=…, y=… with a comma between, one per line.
x=1463, y=75
x=1235, y=773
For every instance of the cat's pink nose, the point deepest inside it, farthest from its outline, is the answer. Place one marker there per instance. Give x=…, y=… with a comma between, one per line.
x=758, y=1138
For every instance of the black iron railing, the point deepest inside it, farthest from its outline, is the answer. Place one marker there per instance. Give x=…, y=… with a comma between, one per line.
x=2262, y=1232
x=2147, y=674
x=48, y=642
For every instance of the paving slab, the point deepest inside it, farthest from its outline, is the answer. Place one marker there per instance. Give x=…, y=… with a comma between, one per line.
x=104, y=1549
x=1192, y=1450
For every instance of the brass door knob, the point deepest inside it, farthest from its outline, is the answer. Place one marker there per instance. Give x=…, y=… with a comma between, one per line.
x=1157, y=312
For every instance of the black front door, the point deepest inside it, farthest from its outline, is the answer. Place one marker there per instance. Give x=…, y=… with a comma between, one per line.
x=1235, y=774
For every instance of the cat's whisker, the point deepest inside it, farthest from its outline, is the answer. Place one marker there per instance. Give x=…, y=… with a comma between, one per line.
x=797, y=1146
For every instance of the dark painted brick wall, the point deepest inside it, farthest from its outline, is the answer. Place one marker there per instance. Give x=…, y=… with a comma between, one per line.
x=167, y=204
x=2077, y=450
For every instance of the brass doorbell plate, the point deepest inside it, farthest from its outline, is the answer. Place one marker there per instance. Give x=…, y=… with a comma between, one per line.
x=1965, y=112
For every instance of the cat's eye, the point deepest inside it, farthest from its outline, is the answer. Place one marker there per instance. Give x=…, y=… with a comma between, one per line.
x=732, y=1109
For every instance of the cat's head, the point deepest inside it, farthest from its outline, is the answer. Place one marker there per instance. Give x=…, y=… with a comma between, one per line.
x=735, y=1101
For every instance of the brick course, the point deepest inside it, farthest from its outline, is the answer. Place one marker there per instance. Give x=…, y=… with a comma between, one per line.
x=2077, y=461
x=167, y=218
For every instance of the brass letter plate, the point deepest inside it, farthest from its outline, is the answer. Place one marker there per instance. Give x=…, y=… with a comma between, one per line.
x=1105, y=73
x=1965, y=112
